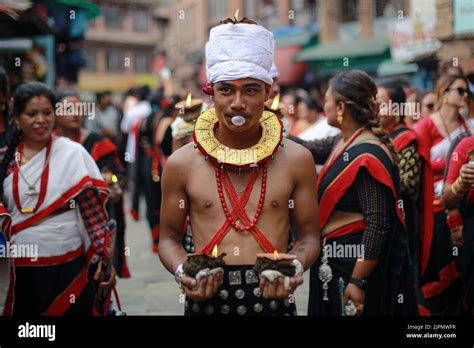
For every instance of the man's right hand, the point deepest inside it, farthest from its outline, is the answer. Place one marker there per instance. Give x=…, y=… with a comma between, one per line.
x=204, y=290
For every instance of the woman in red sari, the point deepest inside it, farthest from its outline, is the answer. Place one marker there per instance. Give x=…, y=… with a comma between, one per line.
x=416, y=188
x=458, y=194
x=358, y=196
x=443, y=296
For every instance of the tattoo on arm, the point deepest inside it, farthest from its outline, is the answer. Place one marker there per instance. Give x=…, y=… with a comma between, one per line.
x=300, y=247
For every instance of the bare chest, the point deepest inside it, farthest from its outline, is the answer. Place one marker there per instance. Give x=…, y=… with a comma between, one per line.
x=203, y=193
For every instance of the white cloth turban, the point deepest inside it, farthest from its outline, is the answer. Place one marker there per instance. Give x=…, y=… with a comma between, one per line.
x=274, y=73
x=236, y=51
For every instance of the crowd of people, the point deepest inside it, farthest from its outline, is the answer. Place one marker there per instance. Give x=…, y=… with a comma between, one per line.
x=253, y=171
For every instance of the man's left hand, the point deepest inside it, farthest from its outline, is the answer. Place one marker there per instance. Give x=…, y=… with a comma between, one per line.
x=276, y=289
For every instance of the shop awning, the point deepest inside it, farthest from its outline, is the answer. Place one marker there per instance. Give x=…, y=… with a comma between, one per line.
x=13, y=45
x=355, y=48
x=91, y=9
x=292, y=36
x=391, y=68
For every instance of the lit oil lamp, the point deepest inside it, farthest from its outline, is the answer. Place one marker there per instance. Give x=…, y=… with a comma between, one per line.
x=275, y=106
x=189, y=109
x=202, y=265
x=272, y=266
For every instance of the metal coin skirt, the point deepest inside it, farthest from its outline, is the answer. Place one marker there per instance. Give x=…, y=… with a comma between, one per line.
x=240, y=295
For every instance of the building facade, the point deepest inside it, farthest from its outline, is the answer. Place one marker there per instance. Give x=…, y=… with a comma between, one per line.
x=120, y=46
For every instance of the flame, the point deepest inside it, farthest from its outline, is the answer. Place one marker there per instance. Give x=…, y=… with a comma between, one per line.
x=275, y=254
x=188, y=100
x=276, y=102
x=214, y=251
x=236, y=16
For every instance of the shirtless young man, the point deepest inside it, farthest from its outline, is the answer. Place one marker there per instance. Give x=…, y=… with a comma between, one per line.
x=239, y=58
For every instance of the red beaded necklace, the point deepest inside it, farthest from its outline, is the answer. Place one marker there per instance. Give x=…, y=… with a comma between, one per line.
x=43, y=184
x=239, y=211
x=223, y=177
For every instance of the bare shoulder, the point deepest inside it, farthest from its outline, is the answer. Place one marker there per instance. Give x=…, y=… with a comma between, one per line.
x=181, y=160
x=296, y=154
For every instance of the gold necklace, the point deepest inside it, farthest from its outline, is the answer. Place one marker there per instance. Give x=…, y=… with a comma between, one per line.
x=206, y=141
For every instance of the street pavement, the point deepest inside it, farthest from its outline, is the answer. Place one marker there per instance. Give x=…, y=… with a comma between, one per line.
x=151, y=290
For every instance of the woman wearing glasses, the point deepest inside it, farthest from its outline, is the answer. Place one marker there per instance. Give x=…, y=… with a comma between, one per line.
x=443, y=297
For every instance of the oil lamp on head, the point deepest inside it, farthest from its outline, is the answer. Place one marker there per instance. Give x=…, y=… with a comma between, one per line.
x=275, y=106
x=189, y=109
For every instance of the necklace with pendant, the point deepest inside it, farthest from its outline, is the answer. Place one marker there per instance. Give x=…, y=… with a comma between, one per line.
x=31, y=186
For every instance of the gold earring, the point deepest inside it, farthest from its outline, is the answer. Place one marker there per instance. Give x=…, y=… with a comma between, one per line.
x=18, y=126
x=340, y=118
x=445, y=100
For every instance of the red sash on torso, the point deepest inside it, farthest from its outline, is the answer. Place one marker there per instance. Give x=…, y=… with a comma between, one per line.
x=333, y=184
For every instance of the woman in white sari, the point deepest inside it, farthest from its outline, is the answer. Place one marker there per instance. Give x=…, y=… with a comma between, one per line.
x=54, y=196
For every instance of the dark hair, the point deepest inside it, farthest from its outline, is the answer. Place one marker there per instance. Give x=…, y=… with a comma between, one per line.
x=100, y=95
x=21, y=97
x=144, y=92
x=396, y=94
x=358, y=91
x=28, y=91
x=244, y=20
x=66, y=93
x=404, y=82
x=132, y=91
x=5, y=91
x=312, y=104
